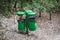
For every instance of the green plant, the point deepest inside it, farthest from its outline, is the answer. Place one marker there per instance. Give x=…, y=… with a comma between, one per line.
x=50, y=6
x=41, y=5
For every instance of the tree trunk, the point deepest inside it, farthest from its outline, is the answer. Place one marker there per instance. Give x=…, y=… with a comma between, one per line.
x=39, y=14
x=50, y=16
x=15, y=5
x=21, y=8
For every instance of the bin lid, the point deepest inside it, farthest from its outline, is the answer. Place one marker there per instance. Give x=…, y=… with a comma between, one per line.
x=30, y=12
x=20, y=13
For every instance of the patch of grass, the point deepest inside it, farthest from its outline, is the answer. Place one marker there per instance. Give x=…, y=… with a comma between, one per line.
x=7, y=14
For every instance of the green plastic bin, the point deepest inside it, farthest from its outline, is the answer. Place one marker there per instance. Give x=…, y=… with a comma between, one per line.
x=21, y=25
x=32, y=23
x=30, y=15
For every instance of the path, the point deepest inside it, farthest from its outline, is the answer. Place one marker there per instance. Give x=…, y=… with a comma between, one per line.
x=46, y=30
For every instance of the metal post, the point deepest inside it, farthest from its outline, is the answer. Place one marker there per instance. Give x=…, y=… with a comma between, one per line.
x=27, y=31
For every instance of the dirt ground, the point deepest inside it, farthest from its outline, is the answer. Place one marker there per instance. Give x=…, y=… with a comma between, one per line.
x=46, y=29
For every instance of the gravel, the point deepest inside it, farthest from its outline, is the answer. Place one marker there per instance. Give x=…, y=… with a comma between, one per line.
x=46, y=29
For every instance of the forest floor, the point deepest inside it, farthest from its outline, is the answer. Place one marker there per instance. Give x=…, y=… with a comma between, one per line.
x=46, y=29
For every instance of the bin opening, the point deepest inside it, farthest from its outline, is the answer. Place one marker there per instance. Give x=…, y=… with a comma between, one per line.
x=31, y=17
x=21, y=20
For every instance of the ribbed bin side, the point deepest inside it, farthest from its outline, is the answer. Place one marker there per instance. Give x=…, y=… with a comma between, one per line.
x=32, y=26
x=21, y=26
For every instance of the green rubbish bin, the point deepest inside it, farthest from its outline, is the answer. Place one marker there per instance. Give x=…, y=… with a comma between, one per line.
x=32, y=23
x=30, y=17
x=21, y=25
